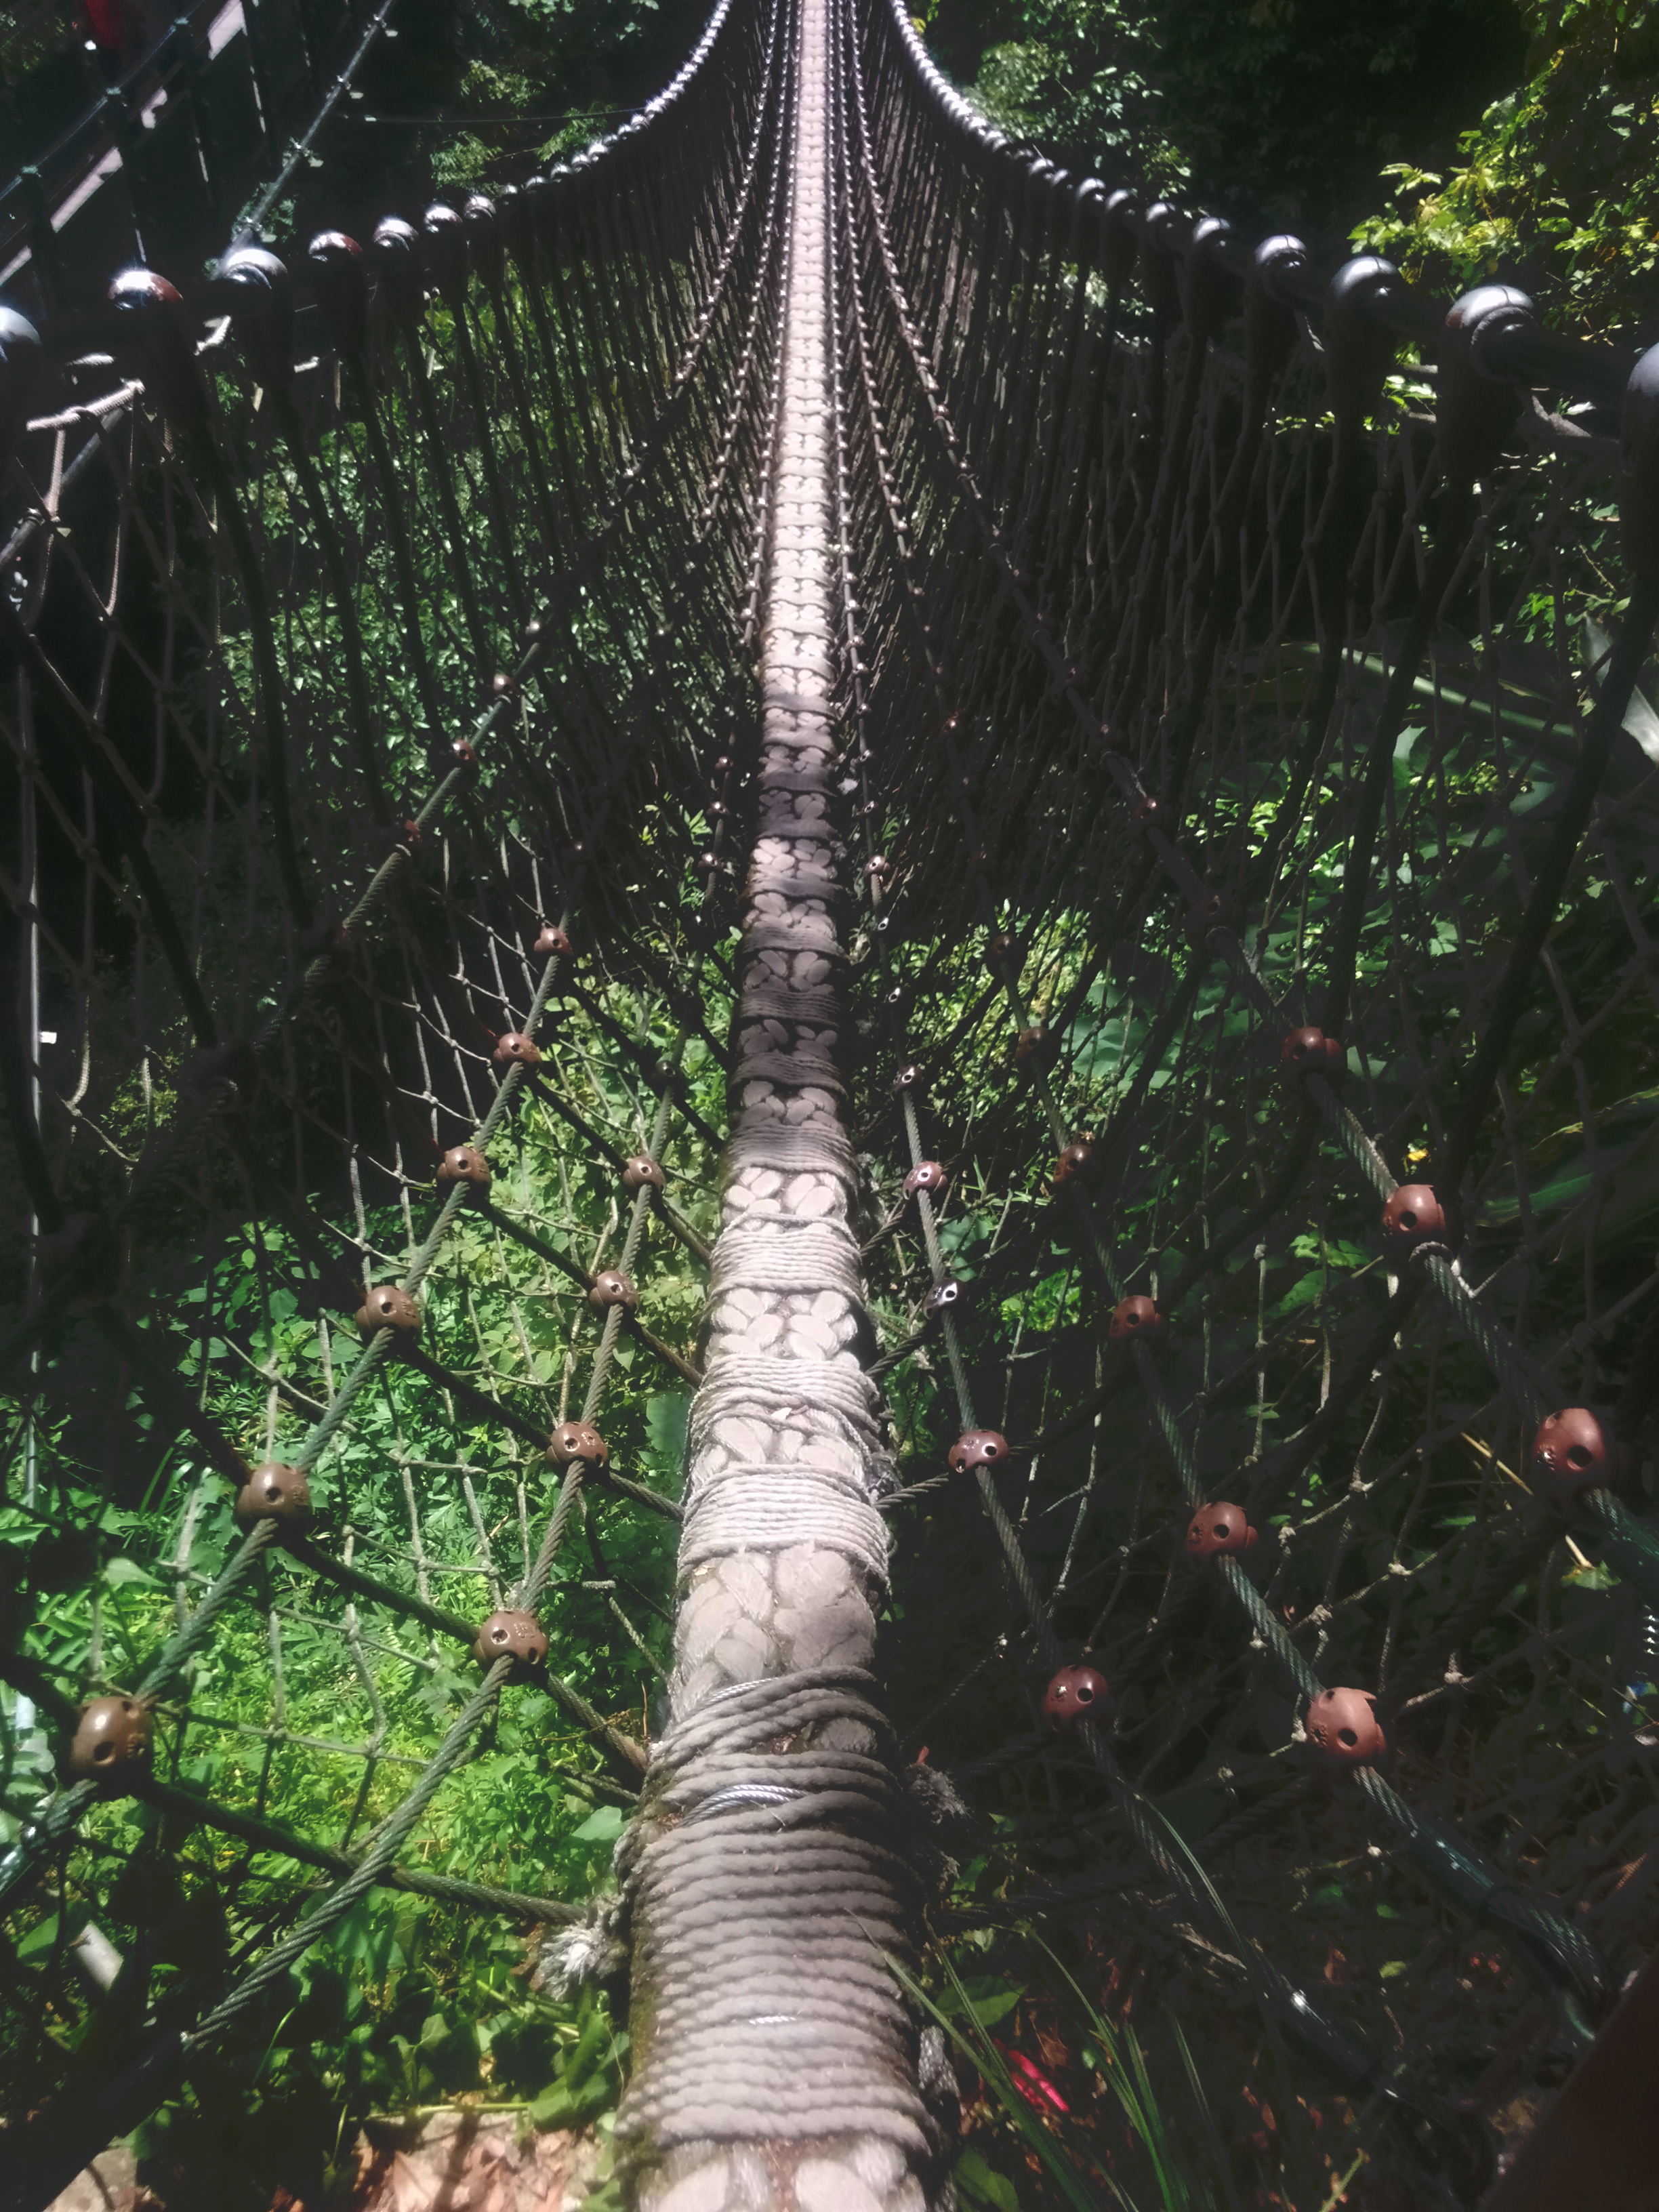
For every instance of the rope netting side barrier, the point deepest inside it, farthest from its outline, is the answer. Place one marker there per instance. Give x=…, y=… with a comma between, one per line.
x=374, y=711
x=1258, y=779
x=1163, y=1144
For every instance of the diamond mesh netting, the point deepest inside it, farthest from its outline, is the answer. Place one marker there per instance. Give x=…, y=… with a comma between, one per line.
x=1251, y=825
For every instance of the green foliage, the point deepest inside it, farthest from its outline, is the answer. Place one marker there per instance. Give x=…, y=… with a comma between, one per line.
x=1281, y=112
x=1556, y=184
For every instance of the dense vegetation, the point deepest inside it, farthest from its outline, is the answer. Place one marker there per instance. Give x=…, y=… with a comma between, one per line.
x=1473, y=140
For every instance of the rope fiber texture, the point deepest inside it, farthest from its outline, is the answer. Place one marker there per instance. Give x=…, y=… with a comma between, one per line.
x=812, y=724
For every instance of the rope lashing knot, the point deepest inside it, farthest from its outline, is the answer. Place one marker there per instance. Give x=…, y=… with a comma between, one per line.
x=734, y=1831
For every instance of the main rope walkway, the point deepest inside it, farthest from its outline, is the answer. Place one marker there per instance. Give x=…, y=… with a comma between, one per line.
x=813, y=780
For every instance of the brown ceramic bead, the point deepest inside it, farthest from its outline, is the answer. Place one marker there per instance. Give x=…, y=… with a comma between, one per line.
x=464, y=1164
x=1074, y=1693
x=1310, y=1052
x=465, y=756
x=1138, y=1321
x=878, y=867
x=551, y=942
x=274, y=1492
x=1005, y=945
x=573, y=1440
x=388, y=1307
x=946, y=1294
x=1413, y=1216
x=83, y=1257
x=514, y=1049
x=1344, y=1725
x=1210, y=910
x=1149, y=815
x=909, y=1077
x=978, y=1448
x=927, y=1175
x=1572, y=1453
x=112, y=1741
x=501, y=686
x=1031, y=1046
x=641, y=1170
x=1079, y=1164
x=722, y=765
x=613, y=1288
x=515, y=1636
x=1219, y=1528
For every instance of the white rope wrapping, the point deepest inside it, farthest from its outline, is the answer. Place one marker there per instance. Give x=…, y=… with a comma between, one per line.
x=774, y=1253
x=733, y=1516
x=760, y=2008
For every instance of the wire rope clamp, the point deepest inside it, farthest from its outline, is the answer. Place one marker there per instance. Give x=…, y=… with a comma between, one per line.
x=1270, y=325
x=445, y=254
x=464, y=1164
x=610, y=1287
x=21, y=361
x=947, y=1292
x=1476, y=406
x=1138, y=1320
x=977, y=1447
x=1205, y=293
x=519, y=1637
x=396, y=252
x=1120, y=236
x=166, y=356
x=1220, y=1530
x=1414, y=1221
x=82, y=1257
x=273, y=1492
x=263, y=313
x=1343, y=1724
x=390, y=1307
x=1573, y=1453
x=339, y=283
x=514, y=216
x=113, y=1742
x=483, y=238
x=928, y=1175
x=1159, y=281
x=514, y=1049
x=1078, y=1167
x=1637, y=480
x=578, y=1440
x=1077, y=1692
x=552, y=944
x=1359, y=348
x=1308, y=1052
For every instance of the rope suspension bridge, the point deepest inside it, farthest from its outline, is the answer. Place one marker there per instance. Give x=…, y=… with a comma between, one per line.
x=811, y=768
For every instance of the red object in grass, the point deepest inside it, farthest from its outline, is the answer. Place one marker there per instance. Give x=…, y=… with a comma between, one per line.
x=1032, y=2083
